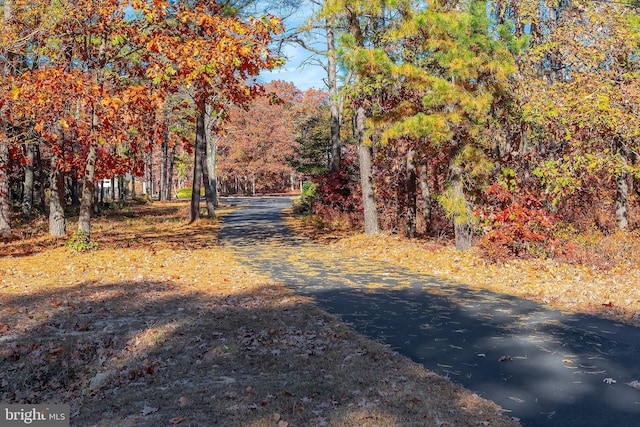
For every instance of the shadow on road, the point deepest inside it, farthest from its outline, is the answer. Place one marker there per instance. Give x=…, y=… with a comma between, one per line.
x=549, y=368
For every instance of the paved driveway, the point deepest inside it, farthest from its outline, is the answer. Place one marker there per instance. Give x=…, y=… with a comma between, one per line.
x=548, y=368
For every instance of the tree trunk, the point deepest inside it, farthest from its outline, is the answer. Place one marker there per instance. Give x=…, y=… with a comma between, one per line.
x=40, y=194
x=133, y=186
x=334, y=107
x=197, y=167
x=57, y=220
x=622, y=196
x=164, y=148
x=84, y=221
x=212, y=149
x=462, y=226
x=410, y=185
x=75, y=196
x=426, y=196
x=149, y=176
x=27, y=188
x=365, y=157
x=121, y=188
x=172, y=161
x=208, y=192
x=5, y=195
x=96, y=199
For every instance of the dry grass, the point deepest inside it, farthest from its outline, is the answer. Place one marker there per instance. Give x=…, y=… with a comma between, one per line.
x=160, y=326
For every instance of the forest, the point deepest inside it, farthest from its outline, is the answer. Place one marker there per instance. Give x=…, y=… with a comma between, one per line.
x=509, y=124
x=442, y=230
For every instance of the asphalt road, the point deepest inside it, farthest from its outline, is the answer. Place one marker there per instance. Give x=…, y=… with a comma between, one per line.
x=548, y=368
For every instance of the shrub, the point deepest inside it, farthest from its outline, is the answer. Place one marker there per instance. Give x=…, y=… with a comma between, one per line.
x=185, y=193
x=304, y=204
x=81, y=242
x=515, y=225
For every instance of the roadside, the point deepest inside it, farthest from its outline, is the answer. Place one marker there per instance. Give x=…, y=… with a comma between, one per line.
x=161, y=326
x=611, y=293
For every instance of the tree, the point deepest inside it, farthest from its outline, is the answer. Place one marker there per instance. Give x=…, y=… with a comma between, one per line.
x=588, y=120
x=328, y=24
x=5, y=196
x=312, y=126
x=364, y=22
x=259, y=145
x=446, y=72
x=218, y=55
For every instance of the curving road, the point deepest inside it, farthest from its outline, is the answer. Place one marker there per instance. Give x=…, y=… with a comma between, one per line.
x=548, y=368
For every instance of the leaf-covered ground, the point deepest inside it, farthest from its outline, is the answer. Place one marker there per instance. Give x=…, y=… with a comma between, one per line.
x=578, y=287
x=161, y=326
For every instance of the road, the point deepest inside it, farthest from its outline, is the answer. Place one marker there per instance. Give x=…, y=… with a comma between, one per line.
x=548, y=368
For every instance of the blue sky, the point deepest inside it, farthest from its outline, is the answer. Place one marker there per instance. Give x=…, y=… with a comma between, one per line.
x=303, y=73
x=304, y=77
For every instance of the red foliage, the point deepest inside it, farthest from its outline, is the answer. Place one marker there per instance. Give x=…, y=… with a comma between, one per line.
x=515, y=225
x=338, y=194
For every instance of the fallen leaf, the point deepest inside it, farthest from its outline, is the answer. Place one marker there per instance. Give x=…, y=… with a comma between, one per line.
x=283, y=423
x=148, y=410
x=635, y=384
x=177, y=420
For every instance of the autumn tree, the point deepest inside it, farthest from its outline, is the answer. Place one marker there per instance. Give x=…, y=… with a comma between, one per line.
x=215, y=55
x=312, y=127
x=586, y=71
x=259, y=144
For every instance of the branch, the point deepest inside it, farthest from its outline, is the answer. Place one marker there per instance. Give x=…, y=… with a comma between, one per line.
x=307, y=47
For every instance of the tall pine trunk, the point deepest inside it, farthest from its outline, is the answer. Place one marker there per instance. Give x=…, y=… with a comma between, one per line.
x=426, y=196
x=334, y=108
x=197, y=166
x=410, y=185
x=365, y=160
